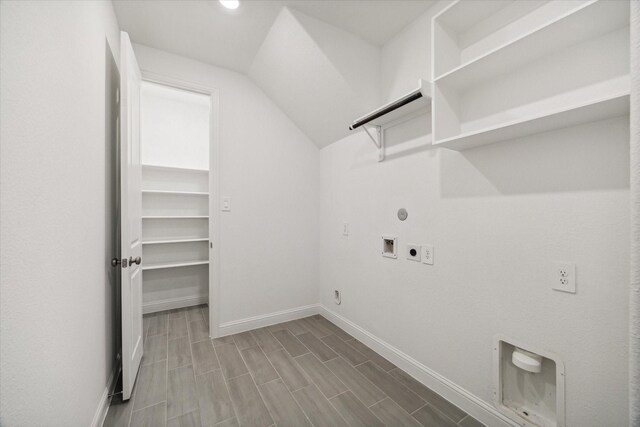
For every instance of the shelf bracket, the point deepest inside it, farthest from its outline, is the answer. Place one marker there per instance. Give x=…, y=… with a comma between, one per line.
x=379, y=141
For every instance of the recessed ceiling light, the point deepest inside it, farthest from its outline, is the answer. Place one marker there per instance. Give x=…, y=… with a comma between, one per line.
x=230, y=4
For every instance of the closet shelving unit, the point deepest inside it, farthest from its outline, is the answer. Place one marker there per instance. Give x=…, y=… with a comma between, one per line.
x=508, y=69
x=175, y=231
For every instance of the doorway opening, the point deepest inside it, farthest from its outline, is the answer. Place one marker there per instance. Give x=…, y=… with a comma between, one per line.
x=179, y=182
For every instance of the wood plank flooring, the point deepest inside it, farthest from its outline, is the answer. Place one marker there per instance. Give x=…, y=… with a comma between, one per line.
x=305, y=372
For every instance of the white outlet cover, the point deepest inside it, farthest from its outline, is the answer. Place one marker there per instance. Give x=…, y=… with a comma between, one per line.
x=427, y=254
x=345, y=228
x=417, y=249
x=564, y=277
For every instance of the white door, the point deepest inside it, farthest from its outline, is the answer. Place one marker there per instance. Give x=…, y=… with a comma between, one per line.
x=130, y=215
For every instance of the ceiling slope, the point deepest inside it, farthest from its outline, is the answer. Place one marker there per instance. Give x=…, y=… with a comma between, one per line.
x=201, y=30
x=376, y=21
x=322, y=77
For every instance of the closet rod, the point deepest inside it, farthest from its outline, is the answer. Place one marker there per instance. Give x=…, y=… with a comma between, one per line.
x=416, y=94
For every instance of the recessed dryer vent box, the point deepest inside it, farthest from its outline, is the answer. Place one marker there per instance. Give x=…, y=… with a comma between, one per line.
x=390, y=246
x=528, y=384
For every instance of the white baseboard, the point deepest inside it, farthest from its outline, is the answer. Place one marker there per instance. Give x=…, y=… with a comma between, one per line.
x=457, y=395
x=173, y=303
x=103, y=404
x=242, y=325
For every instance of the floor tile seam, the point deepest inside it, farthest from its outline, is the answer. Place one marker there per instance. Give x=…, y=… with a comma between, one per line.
x=398, y=383
x=438, y=411
x=226, y=385
x=363, y=404
x=253, y=379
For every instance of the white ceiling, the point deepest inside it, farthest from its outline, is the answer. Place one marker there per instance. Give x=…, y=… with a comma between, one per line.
x=294, y=50
x=206, y=31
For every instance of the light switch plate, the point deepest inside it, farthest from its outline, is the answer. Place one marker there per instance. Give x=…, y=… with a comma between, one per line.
x=226, y=204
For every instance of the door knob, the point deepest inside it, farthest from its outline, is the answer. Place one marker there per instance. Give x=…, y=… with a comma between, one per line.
x=137, y=260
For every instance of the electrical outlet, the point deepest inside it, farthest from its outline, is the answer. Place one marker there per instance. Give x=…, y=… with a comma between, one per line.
x=564, y=277
x=413, y=252
x=427, y=254
x=345, y=228
x=226, y=204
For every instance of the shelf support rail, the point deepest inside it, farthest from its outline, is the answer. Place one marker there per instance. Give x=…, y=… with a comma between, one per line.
x=379, y=141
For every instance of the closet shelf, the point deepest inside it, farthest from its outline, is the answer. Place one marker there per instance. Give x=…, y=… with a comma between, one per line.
x=169, y=241
x=588, y=21
x=180, y=193
x=173, y=265
x=599, y=109
x=175, y=216
x=175, y=169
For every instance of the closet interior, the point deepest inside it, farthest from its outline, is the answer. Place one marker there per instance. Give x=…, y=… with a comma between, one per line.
x=175, y=197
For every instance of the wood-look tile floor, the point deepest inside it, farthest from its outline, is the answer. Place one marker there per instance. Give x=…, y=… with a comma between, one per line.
x=306, y=372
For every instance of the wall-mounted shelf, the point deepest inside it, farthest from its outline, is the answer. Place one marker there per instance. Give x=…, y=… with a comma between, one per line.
x=600, y=109
x=169, y=241
x=173, y=265
x=179, y=193
x=414, y=103
x=517, y=68
x=175, y=169
x=582, y=23
x=175, y=217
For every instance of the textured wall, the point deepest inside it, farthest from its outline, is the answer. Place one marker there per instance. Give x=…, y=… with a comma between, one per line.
x=498, y=216
x=57, y=79
x=269, y=240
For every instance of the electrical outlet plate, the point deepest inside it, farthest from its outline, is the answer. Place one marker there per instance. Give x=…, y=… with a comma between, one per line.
x=413, y=252
x=427, y=254
x=564, y=277
x=345, y=228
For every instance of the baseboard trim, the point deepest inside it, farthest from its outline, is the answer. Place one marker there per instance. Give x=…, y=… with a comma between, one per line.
x=457, y=395
x=173, y=303
x=249, y=323
x=103, y=403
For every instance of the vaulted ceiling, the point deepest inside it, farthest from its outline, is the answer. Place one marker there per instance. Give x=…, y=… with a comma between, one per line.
x=318, y=60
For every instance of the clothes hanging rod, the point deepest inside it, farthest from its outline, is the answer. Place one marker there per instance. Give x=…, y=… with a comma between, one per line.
x=392, y=106
x=416, y=94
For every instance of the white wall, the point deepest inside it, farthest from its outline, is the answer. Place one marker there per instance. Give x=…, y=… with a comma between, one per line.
x=58, y=81
x=175, y=127
x=321, y=76
x=269, y=240
x=498, y=216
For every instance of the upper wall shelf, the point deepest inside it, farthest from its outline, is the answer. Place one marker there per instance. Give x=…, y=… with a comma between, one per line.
x=583, y=23
x=515, y=68
x=416, y=102
x=598, y=109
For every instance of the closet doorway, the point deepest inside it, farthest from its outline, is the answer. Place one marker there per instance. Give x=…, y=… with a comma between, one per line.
x=180, y=226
